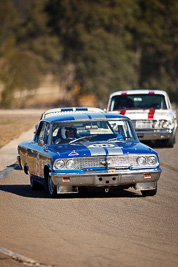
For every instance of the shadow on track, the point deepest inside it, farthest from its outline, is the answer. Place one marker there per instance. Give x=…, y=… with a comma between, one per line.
x=89, y=192
x=27, y=192
x=162, y=144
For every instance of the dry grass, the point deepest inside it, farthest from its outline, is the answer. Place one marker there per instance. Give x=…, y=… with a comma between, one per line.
x=13, y=123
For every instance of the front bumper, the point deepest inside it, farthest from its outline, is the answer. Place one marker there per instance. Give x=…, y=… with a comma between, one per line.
x=106, y=178
x=154, y=134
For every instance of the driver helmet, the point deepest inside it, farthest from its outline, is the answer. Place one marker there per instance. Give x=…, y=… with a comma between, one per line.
x=68, y=131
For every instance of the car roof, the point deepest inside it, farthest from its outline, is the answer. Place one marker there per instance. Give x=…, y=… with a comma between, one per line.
x=56, y=111
x=84, y=116
x=139, y=91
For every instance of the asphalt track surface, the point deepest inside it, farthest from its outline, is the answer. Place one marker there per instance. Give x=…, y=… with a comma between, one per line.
x=119, y=228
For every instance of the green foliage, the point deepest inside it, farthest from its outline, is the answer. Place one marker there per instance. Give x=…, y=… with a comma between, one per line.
x=29, y=53
x=100, y=45
x=157, y=36
x=96, y=38
x=103, y=65
x=8, y=20
x=35, y=36
x=19, y=71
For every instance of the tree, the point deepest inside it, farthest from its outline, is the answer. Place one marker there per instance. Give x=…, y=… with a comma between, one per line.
x=29, y=54
x=8, y=21
x=156, y=37
x=97, y=41
x=104, y=65
x=96, y=46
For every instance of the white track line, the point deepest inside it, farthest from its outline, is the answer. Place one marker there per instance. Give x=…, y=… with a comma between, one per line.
x=8, y=170
x=22, y=259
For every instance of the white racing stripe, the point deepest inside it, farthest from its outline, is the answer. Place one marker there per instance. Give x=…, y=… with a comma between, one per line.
x=114, y=150
x=98, y=116
x=95, y=150
x=78, y=116
x=22, y=259
x=103, y=148
x=8, y=170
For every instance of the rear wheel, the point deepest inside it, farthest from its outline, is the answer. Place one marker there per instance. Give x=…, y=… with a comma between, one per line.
x=51, y=187
x=149, y=193
x=33, y=184
x=170, y=142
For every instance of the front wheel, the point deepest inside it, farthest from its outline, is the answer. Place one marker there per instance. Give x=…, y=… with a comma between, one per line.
x=51, y=187
x=149, y=193
x=33, y=184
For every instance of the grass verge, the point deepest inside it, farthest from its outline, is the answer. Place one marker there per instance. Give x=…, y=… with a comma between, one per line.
x=13, y=123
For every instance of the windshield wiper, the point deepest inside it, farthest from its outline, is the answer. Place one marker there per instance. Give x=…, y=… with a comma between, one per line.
x=81, y=138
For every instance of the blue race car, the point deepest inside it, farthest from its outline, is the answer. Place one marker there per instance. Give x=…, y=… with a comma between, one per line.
x=88, y=149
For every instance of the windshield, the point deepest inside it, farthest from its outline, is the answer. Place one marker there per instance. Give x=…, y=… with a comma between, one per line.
x=114, y=130
x=138, y=101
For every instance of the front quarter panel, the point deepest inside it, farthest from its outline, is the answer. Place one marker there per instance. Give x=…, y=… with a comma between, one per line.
x=35, y=157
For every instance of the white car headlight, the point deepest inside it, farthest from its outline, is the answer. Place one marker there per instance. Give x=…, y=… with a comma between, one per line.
x=70, y=164
x=59, y=164
x=165, y=124
x=147, y=160
x=141, y=161
x=161, y=124
x=152, y=160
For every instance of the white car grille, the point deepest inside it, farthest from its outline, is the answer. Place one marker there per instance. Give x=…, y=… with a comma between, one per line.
x=124, y=161
x=143, y=124
x=106, y=162
x=89, y=162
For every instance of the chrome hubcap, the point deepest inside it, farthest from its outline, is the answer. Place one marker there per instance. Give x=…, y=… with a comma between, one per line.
x=51, y=186
x=31, y=181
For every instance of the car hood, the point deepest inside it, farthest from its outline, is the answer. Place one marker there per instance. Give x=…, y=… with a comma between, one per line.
x=86, y=149
x=144, y=114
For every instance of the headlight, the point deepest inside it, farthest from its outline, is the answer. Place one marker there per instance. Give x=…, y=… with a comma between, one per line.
x=147, y=160
x=152, y=160
x=59, y=164
x=161, y=124
x=155, y=124
x=70, y=164
x=165, y=124
x=141, y=161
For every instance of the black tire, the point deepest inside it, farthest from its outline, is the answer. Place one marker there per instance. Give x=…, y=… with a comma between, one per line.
x=33, y=184
x=149, y=193
x=51, y=187
x=170, y=142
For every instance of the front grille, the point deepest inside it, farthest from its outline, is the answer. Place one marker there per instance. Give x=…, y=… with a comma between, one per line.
x=105, y=162
x=143, y=124
x=118, y=161
x=122, y=161
x=90, y=162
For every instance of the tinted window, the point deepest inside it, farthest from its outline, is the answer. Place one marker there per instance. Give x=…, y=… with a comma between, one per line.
x=140, y=101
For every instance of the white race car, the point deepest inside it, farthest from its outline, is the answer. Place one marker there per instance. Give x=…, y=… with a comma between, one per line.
x=150, y=111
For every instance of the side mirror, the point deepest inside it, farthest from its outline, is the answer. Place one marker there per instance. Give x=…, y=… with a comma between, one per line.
x=173, y=106
x=36, y=128
x=40, y=142
x=120, y=136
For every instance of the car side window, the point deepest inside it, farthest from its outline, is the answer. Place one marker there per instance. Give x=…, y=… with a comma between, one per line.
x=43, y=133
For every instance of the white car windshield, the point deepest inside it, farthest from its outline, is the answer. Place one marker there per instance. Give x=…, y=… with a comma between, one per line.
x=90, y=131
x=138, y=101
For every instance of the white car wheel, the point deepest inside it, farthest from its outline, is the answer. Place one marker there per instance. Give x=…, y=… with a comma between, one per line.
x=51, y=187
